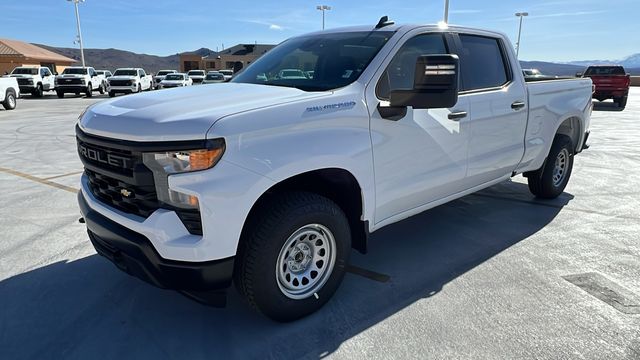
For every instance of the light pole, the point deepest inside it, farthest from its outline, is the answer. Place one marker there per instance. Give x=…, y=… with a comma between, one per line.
x=520, y=15
x=323, y=8
x=446, y=11
x=75, y=3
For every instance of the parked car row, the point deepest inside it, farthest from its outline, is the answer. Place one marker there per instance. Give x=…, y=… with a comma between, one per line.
x=86, y=80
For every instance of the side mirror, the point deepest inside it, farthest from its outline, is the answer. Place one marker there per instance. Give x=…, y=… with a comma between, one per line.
x=435, y=84
x=578, y=74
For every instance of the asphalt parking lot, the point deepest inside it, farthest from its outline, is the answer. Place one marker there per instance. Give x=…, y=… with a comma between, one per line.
x=494, y=275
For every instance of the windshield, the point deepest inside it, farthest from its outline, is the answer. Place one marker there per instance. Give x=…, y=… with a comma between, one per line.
x=165, y=72
x=196, y=72
x=605, y=70
x=215, y=77
x=125, y=73
x=25, y=71
x=174, y=77
x=336, y=60
x=75, y=71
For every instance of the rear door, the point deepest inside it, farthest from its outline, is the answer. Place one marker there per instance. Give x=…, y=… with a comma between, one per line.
x=497, y=107
x=419, y=156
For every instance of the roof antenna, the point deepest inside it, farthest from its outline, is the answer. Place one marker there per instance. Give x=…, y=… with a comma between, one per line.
x=384, y=21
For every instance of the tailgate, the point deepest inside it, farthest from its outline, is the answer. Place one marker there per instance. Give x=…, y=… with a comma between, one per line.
x=610, y=81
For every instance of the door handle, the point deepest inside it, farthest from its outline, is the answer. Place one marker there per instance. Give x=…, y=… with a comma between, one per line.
x=456, y=116
x=518, y=105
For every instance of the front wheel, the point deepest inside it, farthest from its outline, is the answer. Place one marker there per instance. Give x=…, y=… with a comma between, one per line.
x=38, y=92
x=9, y=102
x=139, y=88
x=101, y=89
x=112, y=94
x=549, y=181
x=89, y=92
x=294, y=256
x=60, y=94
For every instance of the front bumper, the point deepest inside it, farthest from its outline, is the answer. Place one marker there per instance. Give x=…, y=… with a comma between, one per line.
x=134, y=254
x=71, y=88
x=27, y=88
x=123, y=89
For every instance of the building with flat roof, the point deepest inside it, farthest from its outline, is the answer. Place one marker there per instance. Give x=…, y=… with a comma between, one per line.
x=234, y=58
x=14, y=53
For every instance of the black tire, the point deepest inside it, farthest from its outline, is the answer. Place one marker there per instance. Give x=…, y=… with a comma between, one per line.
x=9, y=102
x=101, y=89
x=542, y=182
x=38, y=92
x=89, y=92
x=262, y=244
x=60, y=94
x=622, y=102
x=139, y=88
x=112, y=94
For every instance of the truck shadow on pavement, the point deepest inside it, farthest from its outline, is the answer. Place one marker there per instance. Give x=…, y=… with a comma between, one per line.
x=606, y=106
x=89, y=309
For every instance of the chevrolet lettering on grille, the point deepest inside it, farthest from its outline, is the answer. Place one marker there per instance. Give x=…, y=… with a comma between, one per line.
x=103, y=157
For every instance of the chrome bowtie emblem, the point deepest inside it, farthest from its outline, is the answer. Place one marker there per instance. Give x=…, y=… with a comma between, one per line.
x=126, y=193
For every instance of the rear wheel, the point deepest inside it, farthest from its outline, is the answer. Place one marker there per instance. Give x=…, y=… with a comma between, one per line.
x=294, y=256
x=9, y=102
x=621, y=101
x=549, y=181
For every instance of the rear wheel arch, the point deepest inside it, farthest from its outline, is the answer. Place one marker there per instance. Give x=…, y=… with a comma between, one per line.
x=573, y=128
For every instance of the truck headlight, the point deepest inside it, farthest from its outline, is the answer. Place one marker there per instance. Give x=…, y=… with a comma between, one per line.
x=164, y=164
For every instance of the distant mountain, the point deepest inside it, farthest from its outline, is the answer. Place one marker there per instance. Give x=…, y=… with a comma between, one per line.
x=112, y=59
x=630, y=62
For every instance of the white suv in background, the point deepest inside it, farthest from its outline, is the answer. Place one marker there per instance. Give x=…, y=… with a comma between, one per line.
x=197, y=76
x=34, y=80
x=77, y=79
x=129, y=80
x=176, y=80
x=160, y=76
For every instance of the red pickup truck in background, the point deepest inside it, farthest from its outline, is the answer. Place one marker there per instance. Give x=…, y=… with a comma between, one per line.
x=610, y=81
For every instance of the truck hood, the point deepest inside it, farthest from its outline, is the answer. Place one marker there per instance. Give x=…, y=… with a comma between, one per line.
x=184, y=113
x=22, y=76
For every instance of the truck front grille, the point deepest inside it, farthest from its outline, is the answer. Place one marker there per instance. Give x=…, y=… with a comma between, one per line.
x=120, y=82
x=22, y=81
x=63, y=81
x=119, y=179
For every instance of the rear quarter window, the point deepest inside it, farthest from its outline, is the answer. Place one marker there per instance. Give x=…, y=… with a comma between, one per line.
x=605, y=70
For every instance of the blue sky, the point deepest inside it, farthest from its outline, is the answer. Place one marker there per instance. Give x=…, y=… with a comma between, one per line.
x=556, y=30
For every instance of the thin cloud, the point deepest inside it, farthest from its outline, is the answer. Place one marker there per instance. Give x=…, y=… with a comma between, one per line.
x=560, y=14
x=465, y=11
x=271, y=26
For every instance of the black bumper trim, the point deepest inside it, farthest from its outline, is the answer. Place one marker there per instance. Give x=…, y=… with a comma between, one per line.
x=71, y=89
x=133, y=253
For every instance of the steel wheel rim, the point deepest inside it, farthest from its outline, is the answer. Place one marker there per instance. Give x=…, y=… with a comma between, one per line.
x=560, y=167
x=306, y=261
x=12, y=101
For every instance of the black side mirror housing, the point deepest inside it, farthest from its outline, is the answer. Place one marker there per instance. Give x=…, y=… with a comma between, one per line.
x=578, y=74
x=435, y=85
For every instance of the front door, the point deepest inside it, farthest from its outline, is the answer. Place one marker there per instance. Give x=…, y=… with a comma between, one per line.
x=421, y=156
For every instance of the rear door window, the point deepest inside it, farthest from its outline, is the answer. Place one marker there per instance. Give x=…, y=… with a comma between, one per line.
x=483, y=63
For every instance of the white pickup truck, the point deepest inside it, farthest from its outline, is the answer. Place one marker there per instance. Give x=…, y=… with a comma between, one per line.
x=269, y=182
x=78, y=79
x=34, y=80
x=129, y=80
x=9, y=92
